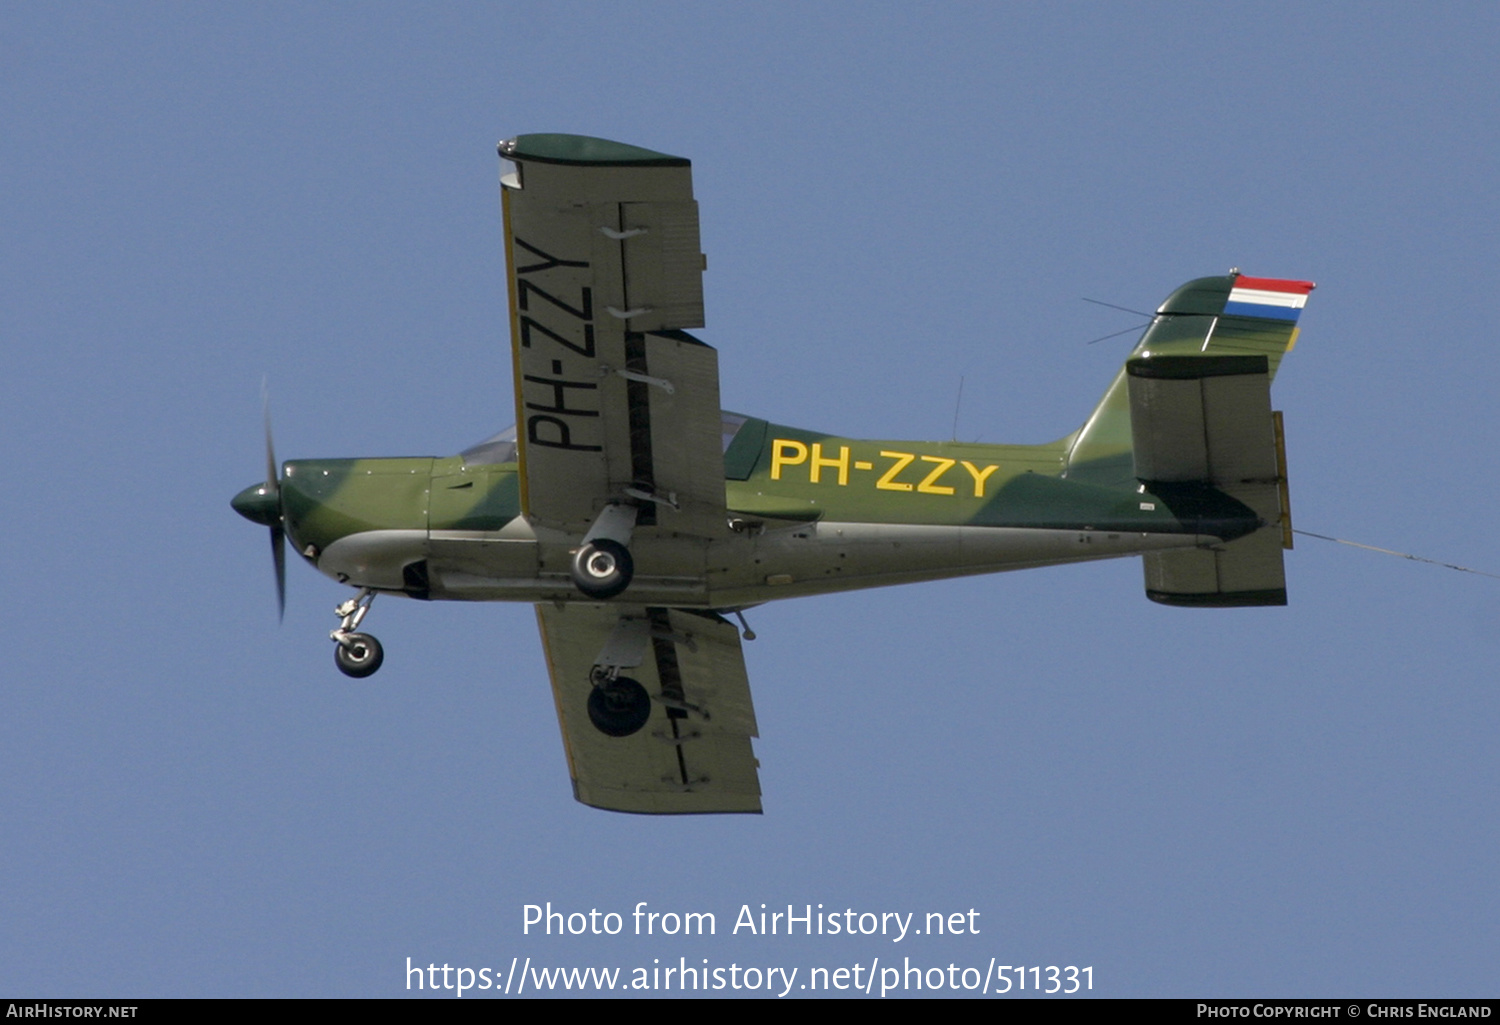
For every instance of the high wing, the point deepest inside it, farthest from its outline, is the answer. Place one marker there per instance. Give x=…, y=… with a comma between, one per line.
x=617, y=408
x=614, y=402
x=693, y=754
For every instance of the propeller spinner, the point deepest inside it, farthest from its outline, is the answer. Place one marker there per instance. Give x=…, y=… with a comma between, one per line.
x=261, y=503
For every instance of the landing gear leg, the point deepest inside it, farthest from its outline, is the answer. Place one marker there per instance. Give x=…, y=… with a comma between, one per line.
x=357, y=655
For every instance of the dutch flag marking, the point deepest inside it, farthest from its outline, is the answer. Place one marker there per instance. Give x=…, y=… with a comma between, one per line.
x=1271, y=298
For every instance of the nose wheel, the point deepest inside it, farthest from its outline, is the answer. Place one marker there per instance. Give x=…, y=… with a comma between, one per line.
x=357, y=654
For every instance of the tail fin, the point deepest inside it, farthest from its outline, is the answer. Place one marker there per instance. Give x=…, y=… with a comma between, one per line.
x=1190, y=412
x=1232, y=315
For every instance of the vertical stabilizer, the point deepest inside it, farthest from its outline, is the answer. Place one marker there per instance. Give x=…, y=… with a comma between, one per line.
x=1234, y=315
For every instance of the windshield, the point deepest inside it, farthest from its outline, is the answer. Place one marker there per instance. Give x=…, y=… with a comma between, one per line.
x=732, y=422
x=498, y=448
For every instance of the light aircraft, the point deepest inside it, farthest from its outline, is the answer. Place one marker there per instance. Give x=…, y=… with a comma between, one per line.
x=637, y=516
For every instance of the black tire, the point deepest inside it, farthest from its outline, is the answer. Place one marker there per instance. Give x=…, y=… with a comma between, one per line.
x=602, y=568
x=619, y=708
x=359, y=656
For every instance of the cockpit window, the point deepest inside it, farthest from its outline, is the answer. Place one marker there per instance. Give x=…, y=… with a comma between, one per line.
x=732, y=423
x=498, y=448
x=744, y=437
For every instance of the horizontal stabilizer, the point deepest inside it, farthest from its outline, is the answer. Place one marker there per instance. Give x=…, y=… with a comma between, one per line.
x=1202, y=419
x=1244, y=572
x=1207, y=420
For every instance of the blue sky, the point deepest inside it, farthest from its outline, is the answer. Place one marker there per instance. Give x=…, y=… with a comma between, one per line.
x=1262, y=802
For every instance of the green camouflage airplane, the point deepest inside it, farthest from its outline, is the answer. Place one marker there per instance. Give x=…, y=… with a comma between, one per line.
x=636, y=515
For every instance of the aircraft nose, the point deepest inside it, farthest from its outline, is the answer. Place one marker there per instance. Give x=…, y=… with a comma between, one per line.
x=258, y=504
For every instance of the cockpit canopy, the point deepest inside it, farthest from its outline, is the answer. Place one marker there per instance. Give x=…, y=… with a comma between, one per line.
x=497, y=448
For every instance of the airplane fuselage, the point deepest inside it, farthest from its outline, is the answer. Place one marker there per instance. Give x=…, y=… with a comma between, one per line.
x=808, y=514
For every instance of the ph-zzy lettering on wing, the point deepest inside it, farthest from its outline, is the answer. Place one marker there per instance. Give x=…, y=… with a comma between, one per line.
x=553, y=326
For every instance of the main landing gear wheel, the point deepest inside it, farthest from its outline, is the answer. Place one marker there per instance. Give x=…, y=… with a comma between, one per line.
x=620, y=707
x=358, y=655
x=602, y=568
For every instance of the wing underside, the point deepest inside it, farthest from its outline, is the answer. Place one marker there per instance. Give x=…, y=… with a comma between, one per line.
x=694, y=752
x=617, y=405
x=614, y=401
